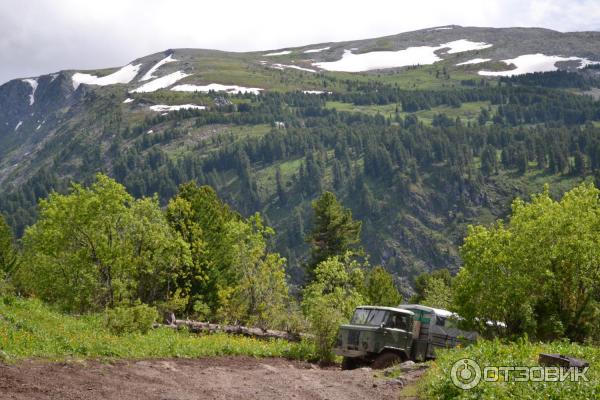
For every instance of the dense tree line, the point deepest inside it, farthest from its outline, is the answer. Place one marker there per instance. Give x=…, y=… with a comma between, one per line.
x=355, y=155
x=376, y=93
x=553, y=79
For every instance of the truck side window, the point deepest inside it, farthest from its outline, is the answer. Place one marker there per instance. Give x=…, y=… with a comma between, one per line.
x=398, y=322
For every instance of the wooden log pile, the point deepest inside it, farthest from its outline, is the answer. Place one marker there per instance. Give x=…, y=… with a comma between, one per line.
x=206, y=327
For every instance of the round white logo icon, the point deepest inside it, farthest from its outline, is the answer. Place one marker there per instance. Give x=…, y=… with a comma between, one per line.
x=466, y=374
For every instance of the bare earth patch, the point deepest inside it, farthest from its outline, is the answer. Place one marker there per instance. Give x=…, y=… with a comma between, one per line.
x=209, y=378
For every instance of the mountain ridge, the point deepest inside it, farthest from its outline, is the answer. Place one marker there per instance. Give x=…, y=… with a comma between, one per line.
x=403, y=35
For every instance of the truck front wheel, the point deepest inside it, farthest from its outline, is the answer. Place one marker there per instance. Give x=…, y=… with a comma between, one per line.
x=386, y=360
x=349, y=363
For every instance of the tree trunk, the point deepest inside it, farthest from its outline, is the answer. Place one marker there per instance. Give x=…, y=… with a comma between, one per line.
x=206, y=327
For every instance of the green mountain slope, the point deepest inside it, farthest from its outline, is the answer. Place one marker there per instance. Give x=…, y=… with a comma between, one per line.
x=417, y=152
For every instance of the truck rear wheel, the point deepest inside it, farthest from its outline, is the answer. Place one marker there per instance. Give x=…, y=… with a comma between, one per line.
x=386, y=360
x=349, y=363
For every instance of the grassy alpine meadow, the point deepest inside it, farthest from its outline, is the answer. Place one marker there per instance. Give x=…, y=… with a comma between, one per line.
x=437, y=382
x=468, y=112
x=31, y=329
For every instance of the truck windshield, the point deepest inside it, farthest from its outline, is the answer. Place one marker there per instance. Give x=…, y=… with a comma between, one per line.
x=371, y=317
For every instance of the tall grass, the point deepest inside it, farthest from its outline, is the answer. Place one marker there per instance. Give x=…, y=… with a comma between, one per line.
x=31, y=329
x=437, y=383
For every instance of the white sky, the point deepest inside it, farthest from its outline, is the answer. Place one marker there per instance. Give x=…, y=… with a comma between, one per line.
x=43, y=36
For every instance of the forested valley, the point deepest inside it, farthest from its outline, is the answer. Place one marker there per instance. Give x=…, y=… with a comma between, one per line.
x=415, y=182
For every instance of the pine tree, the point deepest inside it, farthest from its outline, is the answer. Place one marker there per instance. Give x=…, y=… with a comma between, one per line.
x=338, y=174
x=579, y=167
x=283, y=198
x=380, y=289
x=522, y=163
x=489, y=161
x=334, y=231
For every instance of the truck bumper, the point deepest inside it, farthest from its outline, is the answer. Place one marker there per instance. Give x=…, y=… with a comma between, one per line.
x=348, y=353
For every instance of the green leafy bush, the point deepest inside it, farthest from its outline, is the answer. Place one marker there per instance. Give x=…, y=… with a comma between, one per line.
x=138, y=318
x=330, y=300
x=538, y=272
x=106, y=245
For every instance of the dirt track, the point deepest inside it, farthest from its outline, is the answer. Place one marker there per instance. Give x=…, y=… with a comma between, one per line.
x=210, y=378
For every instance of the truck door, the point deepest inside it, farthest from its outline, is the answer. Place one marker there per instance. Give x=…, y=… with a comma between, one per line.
x=397, y=331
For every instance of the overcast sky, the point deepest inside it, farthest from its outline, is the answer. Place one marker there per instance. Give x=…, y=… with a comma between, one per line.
x=43, y=36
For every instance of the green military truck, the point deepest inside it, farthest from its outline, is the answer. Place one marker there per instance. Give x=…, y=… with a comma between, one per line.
x=382, y=336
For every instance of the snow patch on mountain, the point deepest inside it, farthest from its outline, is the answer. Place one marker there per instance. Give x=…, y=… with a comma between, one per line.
x=351, y=62
x=150, y=74
x=279, y=53
x=128, y=100
x=18, y=125
x=462, y=45
x=34, y=84
x=166, y=108
x=421, y=55
x=314, y=92
x=475, y=61
x=316, y=50
x=124, y=75
x=530, y=63
x=284, y=66
x=161, y=83
x=217, y=87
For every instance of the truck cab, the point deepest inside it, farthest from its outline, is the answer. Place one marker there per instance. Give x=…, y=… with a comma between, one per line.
x=376, y=335
x=382, y=336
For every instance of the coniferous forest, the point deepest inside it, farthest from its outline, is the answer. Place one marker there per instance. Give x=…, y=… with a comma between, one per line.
x=415, y=166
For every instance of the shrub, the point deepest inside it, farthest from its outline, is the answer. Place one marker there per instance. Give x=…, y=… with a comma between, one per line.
x=138, y=318
x=176, y=304
x=330, y=299
x=325, y=319
x=6, y=289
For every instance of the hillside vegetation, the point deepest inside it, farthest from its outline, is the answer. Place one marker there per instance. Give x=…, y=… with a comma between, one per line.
x=116, y=261
x=30, y=329
x=437, y=383
x=417, y=153
x=417, y=173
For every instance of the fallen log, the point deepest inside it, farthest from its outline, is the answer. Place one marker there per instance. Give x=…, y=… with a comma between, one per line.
x=559, y=360
x=206, y=327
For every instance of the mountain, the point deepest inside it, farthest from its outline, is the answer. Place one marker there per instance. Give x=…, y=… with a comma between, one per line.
x=419, y=133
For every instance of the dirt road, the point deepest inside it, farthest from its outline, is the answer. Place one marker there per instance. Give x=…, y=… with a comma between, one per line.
x=210, y=378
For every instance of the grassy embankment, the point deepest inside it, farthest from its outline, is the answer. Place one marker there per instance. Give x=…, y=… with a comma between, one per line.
x=437, y=382
x=31, y=329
